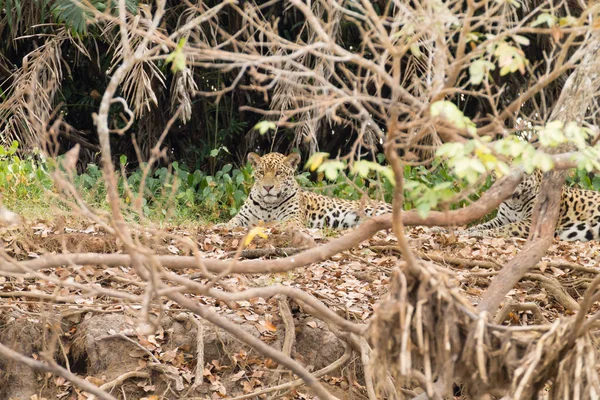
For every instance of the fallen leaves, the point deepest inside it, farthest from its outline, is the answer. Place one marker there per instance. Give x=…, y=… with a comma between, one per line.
x=350, y=284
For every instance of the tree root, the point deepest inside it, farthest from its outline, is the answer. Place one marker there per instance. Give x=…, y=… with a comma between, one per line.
x=299, y=382
x=510, y=307
x=122, y=378
x=290, y=332
x=274, y=252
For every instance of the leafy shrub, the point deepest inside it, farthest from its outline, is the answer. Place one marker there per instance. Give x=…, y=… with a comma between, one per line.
x=178, y=194
x=22, y=179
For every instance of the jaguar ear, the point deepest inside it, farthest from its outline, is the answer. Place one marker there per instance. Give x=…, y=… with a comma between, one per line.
x=254, y=159
x=293, y=160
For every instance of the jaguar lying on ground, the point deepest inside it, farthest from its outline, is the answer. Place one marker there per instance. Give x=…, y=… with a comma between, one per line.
x=579, y=217
x=276, y=196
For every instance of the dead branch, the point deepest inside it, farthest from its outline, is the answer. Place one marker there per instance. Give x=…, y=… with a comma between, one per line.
x=54, y=369
x=290, y=333
x=579, y=86
x=274, y=252
x=299, y=382
x=511, y=307
x=122, y=378
x=263, y=348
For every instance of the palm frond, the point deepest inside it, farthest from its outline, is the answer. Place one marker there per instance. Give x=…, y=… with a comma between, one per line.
x=31, y=95
x=182, y=87
x=306, y=133
x=286, y=92
x=137, y=84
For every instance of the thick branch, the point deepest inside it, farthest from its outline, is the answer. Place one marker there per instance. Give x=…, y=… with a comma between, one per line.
x=8, y=354
x=572, y=105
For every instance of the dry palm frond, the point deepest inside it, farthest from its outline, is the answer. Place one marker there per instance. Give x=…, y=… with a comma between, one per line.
x=306, y=132
x=31, y=95
x=137, y=84
x=182, y=87
x=287, y=92
x=425, y=331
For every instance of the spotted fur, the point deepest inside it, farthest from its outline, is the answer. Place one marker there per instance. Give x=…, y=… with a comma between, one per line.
x=276, y=196
x=579, y=217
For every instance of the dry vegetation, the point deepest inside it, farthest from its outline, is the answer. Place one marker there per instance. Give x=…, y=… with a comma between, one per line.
x=109, y=309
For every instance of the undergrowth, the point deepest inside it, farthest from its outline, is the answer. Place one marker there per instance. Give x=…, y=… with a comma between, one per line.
x=177, y=195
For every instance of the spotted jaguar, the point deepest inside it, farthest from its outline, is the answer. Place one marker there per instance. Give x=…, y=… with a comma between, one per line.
x=276, y=196
x=579, y=217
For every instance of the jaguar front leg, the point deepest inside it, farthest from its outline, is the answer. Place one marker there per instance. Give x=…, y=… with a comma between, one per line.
x=519, y=229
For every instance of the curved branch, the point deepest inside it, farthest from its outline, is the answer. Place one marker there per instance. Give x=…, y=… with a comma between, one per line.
x=245, y=337
x=488, y=202
x=57, y=370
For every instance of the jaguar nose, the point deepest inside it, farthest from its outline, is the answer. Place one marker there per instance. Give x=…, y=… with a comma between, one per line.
x=268, y=188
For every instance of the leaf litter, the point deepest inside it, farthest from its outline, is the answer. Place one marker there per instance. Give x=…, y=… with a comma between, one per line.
x=350, y=284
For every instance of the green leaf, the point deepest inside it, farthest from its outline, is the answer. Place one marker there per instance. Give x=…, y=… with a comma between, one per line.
x=450, y=150
x=545, y=18
x=362, y=168
x=479, y=69
x=331, y=169
x=510, y=59
x=264, y=126
x=452, y=113
x=567, y=21
x=552, y=134
x=423, y=209
x=315, y=160
x=177, y=57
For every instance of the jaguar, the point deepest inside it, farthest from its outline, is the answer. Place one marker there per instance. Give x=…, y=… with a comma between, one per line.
x=579, y=217
x=277, y=196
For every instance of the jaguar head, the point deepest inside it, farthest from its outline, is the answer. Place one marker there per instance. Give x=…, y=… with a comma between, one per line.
x=274, y=176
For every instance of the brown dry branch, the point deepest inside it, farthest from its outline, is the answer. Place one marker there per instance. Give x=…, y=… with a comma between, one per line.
x=8, y=354
x=340, y=362
x=290, y=333
x=135, y=251
x=580, y=86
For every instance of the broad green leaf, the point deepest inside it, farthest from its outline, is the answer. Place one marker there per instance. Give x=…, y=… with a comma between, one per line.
x=423, y=209
x=450, y=149
x=552, y=134
x=331, y=169
x=315, y=161
x=510, y=59
x=545, y=18
x=543, y=161
x=177, y=57
x=478, y=70
x=452, y=113
x=567, y=21
x=264, y=126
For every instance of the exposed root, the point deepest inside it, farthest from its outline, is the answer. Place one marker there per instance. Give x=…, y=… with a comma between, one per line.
x=274, y=252
x=425, y=334
x=510, y=307
x=299, y=382
x=290, y=331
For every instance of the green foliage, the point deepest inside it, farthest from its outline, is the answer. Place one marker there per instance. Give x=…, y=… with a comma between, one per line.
x=76, y=16
x=177, y=57
x=22, y=180
x=176, y=192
